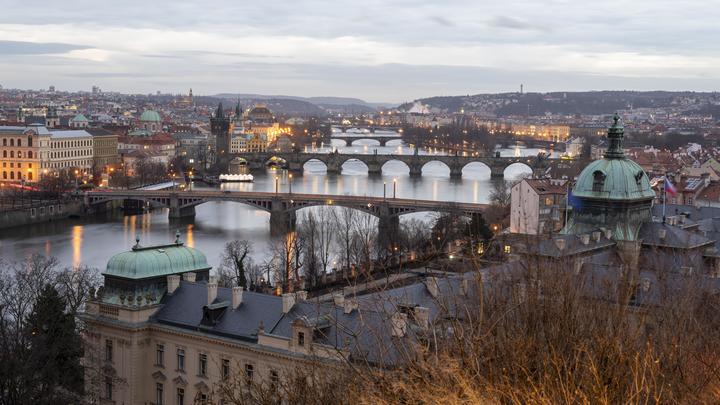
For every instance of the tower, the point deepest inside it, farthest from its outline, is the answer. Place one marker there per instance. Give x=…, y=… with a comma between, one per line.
x=51, y=117
x=220, y=128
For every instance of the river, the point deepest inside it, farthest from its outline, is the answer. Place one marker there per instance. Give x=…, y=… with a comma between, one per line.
x=92, y=241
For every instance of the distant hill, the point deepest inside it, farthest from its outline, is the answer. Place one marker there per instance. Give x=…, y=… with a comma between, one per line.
x=326, y=104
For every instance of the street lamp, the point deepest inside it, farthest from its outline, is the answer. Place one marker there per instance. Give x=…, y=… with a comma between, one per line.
x=277, y=179
x=394, y=187
x=290, y=182
x=384, y=189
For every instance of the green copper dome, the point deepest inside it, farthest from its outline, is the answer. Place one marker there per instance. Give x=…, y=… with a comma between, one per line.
x=150, y=116
x=79, y=118
x=156, y=261
x=614, y=177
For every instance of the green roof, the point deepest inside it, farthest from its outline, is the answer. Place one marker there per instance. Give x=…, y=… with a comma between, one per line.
x=156, y=261
x=79, y=118
x=150, y=116
x=623, y=179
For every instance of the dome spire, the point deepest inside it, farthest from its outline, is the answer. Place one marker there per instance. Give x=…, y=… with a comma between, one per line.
x=615, y=137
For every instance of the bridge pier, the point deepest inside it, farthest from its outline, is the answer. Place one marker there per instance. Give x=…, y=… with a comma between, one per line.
x=374, y=168
x=295, y=167
x=176, y=211
x=497, y=172
x=415, y=169
x=388, y=230
x=455, y=172
x=282, y=220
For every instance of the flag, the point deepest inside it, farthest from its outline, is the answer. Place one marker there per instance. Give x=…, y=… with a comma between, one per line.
x=669, y=188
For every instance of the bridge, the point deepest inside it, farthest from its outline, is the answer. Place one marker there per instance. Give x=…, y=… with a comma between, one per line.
x=383, y=139
x=371, y=128
x=334, y=161
x=283, y=206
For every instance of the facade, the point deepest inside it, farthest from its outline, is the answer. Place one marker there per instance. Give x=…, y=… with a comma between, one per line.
x=79, y=121
x=538, y=206
x=63, y=150
x=150, y=121
x=20, y=154
x=220, y=129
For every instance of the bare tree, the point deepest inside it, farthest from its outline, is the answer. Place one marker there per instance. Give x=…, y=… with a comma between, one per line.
x=235, y=260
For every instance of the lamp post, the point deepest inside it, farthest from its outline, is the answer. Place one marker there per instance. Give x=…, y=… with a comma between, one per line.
x=290, y=182
x=394, y=187
x=277, y=179
x=384, y=189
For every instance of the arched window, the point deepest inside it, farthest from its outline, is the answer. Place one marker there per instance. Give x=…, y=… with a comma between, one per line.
x=598, y=180
x=12, y=142
x=19, y=155
x=4, y=153
x=4, y=141
x=30, y=141
x=12, y=154
x=19, y=176
x=30, y=176
x=19, y=142
x=4, y=175
x=30, y=155
x=12, y=175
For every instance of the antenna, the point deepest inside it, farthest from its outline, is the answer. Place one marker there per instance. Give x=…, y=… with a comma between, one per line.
x=521, y=88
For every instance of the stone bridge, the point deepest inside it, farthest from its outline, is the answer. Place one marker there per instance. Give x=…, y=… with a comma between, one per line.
x=383, y=139
x=295, y=161
x=283, y=206
x=371, y=128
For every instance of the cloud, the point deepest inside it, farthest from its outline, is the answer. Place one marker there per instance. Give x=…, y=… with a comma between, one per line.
x=442, y=21
x=513, y=24
x=36, y=48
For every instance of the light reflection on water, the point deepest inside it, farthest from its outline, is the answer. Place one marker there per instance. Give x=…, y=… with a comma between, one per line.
x=91, y=241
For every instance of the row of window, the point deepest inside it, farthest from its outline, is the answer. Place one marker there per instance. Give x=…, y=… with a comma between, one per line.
x=18, y=143
x=70, y=144
x=75, y=163
x=19, y=154
x=11, y=175
x=71, y=153
x=19, y=165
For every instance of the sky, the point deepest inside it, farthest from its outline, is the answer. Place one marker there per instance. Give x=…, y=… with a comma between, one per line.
x=380, y=51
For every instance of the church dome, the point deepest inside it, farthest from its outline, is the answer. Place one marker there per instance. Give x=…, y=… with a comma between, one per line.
x=156, y=261
x=614, y=177
x=150, y=116
x=79, y=118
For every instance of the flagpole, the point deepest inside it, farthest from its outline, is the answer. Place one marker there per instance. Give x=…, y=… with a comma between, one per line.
x=664, y=193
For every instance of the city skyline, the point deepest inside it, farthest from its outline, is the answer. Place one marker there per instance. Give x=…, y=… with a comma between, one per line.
x=378, y=52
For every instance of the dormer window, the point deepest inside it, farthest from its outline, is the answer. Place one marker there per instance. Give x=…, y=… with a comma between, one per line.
x=598, y=181
x=301, y=338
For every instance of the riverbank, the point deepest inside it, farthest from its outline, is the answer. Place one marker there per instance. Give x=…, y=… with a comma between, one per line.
x=39, y=212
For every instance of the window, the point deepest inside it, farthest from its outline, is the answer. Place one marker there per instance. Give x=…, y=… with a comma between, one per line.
x=108, y=388
x=19, y=142
x=4, y=153
x=29, y=141
x=4, y=142
x=507, y=249
x=12, y=142
x=180, y=396
x=158, y=394
x=274, y=378
x=108, y=350
x=249, y=370
x=160, y=355
x=202, y=364
x=181, y=359
x=301, y=338
x=30, y=155
x=225, y=371
x=598, y=180
x=12, y=154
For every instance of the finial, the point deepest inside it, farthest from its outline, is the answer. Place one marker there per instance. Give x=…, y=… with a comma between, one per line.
x=177, y=237
x=616, y=119
x=137, y=242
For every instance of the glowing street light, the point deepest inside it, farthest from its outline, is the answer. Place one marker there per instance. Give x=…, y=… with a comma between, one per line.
x=277, y=179
x=394, y=187
x=290, y=182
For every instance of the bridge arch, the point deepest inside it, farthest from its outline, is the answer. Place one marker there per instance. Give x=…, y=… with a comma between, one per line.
x=313, y=161
x=395, y=165
x=438, y=165
x=354, y=161
x=476, y=170
x=517, y=169
x=274, y=160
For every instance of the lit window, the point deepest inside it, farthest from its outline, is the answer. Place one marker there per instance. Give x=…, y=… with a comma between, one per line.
x=507, y=249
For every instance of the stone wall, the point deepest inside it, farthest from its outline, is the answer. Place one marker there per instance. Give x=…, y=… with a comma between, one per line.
x=40, y=212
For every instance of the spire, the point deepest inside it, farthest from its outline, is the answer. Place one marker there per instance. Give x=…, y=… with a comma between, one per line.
x=238, y=111
x=219, y=113
x=615, y=140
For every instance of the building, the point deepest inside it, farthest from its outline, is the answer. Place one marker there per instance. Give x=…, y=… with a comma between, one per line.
x=105, y=149
x=150, y=121
x=52, y=119
x=238, y=144
x=65, y=149
x=538, y=206
x=20, y=154
x=160, y=330
x=79, y=121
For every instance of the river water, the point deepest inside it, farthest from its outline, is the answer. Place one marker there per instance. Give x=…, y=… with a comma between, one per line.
x=92, y=241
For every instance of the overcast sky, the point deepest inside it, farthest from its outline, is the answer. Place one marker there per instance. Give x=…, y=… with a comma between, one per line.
x=376, y=50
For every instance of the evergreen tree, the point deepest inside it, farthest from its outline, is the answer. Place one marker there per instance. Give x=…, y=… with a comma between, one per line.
x=55, y=348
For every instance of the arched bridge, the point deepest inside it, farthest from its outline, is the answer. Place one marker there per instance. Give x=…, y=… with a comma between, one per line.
x=283, y=206
x=383, y=139
x=371, y=128
x=333, y=161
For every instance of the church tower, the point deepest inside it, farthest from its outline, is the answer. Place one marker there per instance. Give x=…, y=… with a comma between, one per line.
x=51, y=117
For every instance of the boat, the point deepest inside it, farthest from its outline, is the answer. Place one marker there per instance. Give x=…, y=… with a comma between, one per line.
x=236, y=178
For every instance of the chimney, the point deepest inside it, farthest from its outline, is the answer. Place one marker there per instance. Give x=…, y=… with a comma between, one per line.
x=350, y=305
x=585, y=239
x=399, y=324
x=662, y=233
x=596, y=236
x=211, y=290
x=288, y=301
x=237, y=297
x=560, y=243
x=422, y=316
x=431, y=283
x=173, y=282
x=339, y=299
x=301, y=295
x=190, y=277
